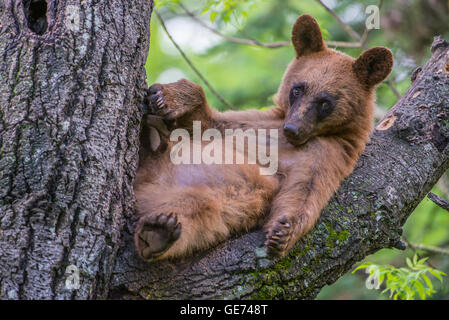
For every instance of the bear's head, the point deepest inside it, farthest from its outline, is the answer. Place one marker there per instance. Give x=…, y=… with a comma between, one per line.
x=326, y=92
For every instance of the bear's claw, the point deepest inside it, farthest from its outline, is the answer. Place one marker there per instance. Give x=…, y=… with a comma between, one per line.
x=278, y=238
x=156, y=97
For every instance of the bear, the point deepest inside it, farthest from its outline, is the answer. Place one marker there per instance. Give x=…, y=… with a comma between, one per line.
x=323, y=114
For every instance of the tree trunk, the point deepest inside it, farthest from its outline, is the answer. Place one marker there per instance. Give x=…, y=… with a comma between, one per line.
x=71, y=88
x=71, y=83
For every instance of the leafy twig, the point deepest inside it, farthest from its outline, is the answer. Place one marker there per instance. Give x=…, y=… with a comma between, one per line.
x=404, y=283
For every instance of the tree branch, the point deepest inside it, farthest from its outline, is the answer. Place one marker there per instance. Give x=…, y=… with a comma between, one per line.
x=405, y=157
x=251, y=42
x=354, y=35
x=443, y=185
x=428, y=248
x=439, y=201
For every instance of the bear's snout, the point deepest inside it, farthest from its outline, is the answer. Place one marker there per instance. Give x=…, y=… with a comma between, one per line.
x=291, y=130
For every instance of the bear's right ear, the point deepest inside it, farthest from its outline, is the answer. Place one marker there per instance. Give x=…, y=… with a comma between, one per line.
x=306, y=36
x=373, y=66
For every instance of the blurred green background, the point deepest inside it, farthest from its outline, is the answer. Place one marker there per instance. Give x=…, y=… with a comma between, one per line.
x=248, y=76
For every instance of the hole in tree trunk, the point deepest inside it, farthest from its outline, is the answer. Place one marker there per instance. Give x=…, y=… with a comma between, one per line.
x=36, y=14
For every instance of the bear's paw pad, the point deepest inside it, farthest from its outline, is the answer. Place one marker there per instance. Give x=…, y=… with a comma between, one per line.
x=156, y=234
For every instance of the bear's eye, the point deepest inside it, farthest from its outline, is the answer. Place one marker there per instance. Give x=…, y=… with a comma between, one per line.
x=325, y=105
x=297, y=91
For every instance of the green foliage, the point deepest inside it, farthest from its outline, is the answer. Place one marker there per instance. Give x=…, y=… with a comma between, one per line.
x=405, y=283
x=223, y=9
x=167, y=3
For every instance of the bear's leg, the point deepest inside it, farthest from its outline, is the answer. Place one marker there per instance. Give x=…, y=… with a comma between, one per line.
x=176, y=221
x=297, y=206
x=179, y=102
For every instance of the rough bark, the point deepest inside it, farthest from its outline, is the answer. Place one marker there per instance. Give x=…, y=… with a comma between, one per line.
x=405, y=157
x=70, y=94
x=69, y=118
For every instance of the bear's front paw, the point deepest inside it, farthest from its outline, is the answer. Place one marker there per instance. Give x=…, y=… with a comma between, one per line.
x=155, y=234
x=156, y=98
x=279, y=236
x=170, y=101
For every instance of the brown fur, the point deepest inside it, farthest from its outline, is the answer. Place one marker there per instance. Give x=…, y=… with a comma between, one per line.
x=185, y=208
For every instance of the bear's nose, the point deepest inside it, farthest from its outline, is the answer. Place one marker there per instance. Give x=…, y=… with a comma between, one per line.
x=291, y=130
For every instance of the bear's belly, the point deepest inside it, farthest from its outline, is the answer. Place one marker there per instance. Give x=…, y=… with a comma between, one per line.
x=216, y=174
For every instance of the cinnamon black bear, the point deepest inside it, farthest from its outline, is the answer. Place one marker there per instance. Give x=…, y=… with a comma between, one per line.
x=323, y=113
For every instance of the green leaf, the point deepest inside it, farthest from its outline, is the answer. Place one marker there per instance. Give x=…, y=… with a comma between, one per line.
x=420, y=288
x=213, y=15
x=436, y=273
x=381, y=278
x=427, y=280
x=362, y=266
x=410, y=294
x=423, y=260
x=415, y=259
x=409, y=262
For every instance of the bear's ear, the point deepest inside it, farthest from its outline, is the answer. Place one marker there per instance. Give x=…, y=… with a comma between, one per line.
x=306, y=36
x=373, y=66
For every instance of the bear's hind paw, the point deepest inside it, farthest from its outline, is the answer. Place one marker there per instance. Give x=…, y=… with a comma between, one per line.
x=155, y=234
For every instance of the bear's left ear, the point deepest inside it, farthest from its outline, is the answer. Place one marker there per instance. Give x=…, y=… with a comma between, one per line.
x=306, y=36
x=373, y=66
